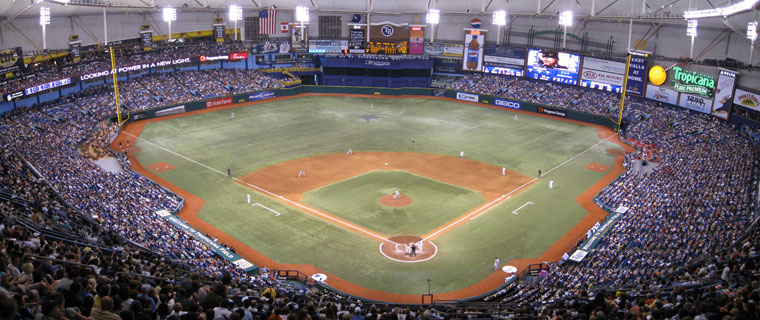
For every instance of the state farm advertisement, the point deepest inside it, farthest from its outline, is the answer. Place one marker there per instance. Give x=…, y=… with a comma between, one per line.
x=218, y=102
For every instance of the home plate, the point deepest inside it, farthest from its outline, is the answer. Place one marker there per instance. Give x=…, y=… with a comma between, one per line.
x=509, y=269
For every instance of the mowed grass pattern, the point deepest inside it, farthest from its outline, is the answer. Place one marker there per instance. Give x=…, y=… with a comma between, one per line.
x=271, y=132
x=357, y=200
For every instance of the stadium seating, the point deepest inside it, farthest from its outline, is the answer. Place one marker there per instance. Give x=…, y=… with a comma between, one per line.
x=681, y=251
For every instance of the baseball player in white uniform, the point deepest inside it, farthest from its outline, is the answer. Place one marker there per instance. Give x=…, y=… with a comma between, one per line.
x=396, y=194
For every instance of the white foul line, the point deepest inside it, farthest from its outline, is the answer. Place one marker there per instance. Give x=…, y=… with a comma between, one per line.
x=502, y=200
x=277, y=214
x=381, y=238
x=578, y=155
x=522, y=206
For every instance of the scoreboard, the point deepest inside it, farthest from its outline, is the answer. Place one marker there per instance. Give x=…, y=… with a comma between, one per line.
x=384, y=47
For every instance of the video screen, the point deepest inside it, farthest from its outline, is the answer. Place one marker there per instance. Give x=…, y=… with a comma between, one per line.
x=554, y=66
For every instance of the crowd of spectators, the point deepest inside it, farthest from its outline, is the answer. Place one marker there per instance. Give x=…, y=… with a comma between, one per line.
x=96, y=61
x=690, y=209
x=680, y=251
x=539, y=92
x=123, y=204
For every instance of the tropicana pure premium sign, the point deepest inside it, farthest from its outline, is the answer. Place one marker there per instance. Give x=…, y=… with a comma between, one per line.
x=693, y=82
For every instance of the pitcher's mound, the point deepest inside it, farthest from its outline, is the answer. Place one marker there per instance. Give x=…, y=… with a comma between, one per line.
x=402, y=201
x=399, y=249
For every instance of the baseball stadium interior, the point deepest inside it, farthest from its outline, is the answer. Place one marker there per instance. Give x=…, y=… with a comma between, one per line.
x=636, y=125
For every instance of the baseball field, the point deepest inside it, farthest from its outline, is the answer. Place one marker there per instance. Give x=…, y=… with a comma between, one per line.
x=466, y=176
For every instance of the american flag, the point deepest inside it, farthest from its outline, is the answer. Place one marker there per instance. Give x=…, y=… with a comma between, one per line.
x=268, y=21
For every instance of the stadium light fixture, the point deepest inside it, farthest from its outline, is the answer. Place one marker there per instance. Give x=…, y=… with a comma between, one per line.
x=302, y=15
x=433, y=17
x=726, y=11
x=170, y=14
x=691, y=28
x=236, y=14
x=752, y=30
x=691, y=31
x=565, y=20
x=44, y=21
x=499, y=19
x=752, y=36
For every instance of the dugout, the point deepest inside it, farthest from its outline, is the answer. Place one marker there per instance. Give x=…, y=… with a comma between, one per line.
x=375, y=71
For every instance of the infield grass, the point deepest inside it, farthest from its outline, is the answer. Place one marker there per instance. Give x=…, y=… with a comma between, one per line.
x=357, y=200
x=268, y=133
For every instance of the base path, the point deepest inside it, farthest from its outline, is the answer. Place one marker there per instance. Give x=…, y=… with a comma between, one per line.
x=322, y=170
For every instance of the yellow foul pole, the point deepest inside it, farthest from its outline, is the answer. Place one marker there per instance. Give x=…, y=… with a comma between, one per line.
x=625, y=84
x=116, y=89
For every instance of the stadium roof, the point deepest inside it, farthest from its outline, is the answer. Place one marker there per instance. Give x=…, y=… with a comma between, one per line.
x=642, y=10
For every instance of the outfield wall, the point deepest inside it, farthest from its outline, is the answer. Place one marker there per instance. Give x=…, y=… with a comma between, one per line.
x=371, y=91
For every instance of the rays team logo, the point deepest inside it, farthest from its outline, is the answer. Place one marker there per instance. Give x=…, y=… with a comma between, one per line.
x=475, y=23
x=387, y=30
x=8, y=58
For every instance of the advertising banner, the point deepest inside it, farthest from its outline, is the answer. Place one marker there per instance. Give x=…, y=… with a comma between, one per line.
x=46, y=86
x=550, y=111
x=433, y=49
x=637, y=75
x=238, y=56
x=13, y=96
x=299, y=39
x=11, y=60
x=503, y=71
x=219, y=32
x=274, y=47
x=602, y=74
x=261, y=95
x=687, y=81
x=417, y=40
x=170, y=111
x=747, y=99
x=453, y=50
x=219, y=249
x=507, y=103
x=474, y=45
x=504, y=61
x=218, y=102
x=467, y=96
x=724, y=93
x=356, y=40
x=137, y=67
x=695, y=102
x=214, y=58
x=662, y=94
x=327, y=46
x=548, y=65
x=76, y=50
x=146, y=37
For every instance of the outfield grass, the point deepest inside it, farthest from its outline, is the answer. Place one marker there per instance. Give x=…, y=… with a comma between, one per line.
x=357, y=200
x=272, y=132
